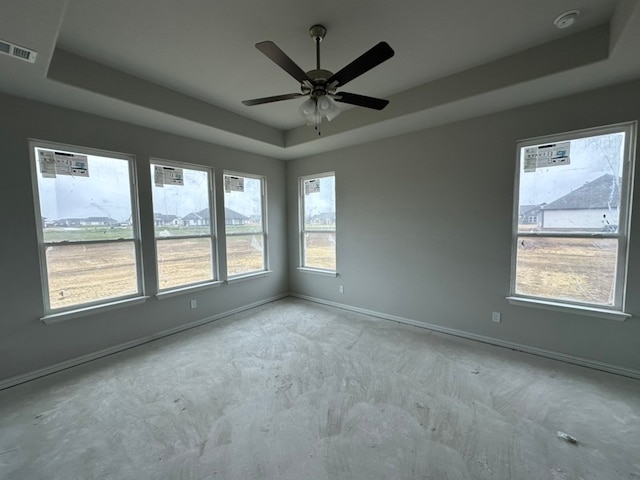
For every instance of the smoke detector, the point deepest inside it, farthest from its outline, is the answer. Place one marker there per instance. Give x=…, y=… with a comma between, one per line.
x=16, y=51
x=566, y=19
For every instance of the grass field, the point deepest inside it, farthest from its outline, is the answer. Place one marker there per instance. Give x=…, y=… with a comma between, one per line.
x=76, y=234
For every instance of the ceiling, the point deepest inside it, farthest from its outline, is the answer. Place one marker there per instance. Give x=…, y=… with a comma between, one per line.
x=185, y=66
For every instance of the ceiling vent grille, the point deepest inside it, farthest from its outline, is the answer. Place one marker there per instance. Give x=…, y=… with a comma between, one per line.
x=17, y=51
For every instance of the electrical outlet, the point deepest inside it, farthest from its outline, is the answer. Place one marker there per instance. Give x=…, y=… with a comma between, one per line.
x=495, y=317
x=341, y=289
x=194, y=304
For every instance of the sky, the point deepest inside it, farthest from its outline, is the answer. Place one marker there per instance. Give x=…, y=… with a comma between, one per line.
x=590, y=158
x=181, y=200
x=106, y=192
x=322, y=201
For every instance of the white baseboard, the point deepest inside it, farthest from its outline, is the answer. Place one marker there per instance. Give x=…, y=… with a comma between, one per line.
x=563, y=357
x=584, y=362
x=18, y=379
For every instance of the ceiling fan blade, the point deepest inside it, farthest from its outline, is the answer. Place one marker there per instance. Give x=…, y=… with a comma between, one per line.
x=272, y=51
x=276, y=98
x=361, y=100
x=365, y=62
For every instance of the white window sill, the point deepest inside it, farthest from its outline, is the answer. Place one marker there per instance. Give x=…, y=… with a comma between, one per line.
x=92, y=310
x=249, y=276
x=189, y=289
x=568, y=308
x=317, y=271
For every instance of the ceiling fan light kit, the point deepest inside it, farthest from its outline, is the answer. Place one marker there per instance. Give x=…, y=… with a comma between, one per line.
x=321, y=85
x=314, y=109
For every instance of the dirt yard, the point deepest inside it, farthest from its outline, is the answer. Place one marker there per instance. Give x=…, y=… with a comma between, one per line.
x=320, y=251
x=579, y=269
x=84, y=273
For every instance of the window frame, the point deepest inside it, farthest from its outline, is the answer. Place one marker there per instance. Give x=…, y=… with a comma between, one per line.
x=74, y=310
x=616, y=310
x=302, y=229
x=212, y=235
x=264, y=233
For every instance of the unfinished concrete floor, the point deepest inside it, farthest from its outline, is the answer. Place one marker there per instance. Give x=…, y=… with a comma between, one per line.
x=297, y=390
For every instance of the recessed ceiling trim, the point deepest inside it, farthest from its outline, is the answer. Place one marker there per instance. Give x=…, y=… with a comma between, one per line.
x=561, y=55
x=578, y=50
x=76, y=71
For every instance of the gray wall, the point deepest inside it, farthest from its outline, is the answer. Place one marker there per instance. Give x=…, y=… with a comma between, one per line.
x=424, y=228
x=424, y=232
x=26, y=344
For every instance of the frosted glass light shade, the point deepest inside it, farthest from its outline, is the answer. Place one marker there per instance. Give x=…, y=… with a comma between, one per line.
x=309, y=111
x=315, y=109
x=327, y=107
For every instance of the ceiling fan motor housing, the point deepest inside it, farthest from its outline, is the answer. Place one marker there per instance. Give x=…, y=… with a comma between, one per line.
x=319, y=79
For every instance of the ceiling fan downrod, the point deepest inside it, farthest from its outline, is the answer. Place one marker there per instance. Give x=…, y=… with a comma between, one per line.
x=317, y=32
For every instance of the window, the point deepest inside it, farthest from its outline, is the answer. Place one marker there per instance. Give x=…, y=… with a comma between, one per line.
x=184, y=226
x=574, y=249
x=244, y=222
x=318, y=222
x=87, y=225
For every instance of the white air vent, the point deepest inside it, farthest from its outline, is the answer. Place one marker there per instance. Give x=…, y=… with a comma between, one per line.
x=17, y=51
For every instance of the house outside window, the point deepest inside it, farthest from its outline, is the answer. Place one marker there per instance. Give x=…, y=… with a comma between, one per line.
x=87, y=220
x=318, y=222
x=245, y=224
x=183, y=223
x=571, y=217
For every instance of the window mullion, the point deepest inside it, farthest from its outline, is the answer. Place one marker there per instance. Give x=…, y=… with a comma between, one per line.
x=178, y=237
x=244, y=234
x=568, y=235
x=88, y=242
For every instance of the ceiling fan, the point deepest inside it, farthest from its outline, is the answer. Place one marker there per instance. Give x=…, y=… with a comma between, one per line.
x=321, y=85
